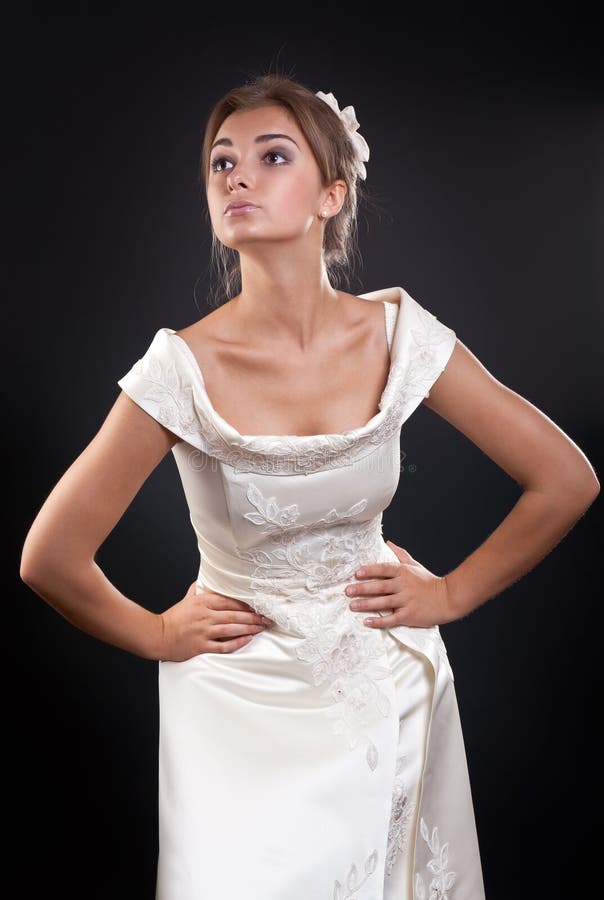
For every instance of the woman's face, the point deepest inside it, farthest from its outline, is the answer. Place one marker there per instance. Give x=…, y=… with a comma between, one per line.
x=262, y=158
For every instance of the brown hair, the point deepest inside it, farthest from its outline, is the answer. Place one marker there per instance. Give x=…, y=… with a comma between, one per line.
x=332, y=149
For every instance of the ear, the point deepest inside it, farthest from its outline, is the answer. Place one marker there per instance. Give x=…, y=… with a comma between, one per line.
x=333, y=197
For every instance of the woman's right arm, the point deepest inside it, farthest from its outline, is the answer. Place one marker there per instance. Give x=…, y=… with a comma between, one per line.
x=57, y=560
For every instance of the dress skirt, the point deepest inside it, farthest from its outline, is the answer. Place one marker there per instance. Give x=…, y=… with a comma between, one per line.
x=414, y=681
x=258, y=799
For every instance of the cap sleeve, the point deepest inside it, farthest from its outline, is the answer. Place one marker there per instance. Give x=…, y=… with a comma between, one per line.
x=160, y=383
x=426, y=347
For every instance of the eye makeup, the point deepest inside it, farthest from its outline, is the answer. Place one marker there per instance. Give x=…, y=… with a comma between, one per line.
x=276, y=151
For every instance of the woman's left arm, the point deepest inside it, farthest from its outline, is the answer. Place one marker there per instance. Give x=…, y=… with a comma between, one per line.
x=559, y=486
x=558, y=480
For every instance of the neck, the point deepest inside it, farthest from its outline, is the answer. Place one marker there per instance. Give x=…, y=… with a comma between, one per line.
x=288, y=296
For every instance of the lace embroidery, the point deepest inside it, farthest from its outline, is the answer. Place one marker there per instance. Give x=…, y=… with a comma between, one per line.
x=400, y=817
x=191, y=416
x=345, y=892
x=174, y=400
x=424, y=365
x=290, y=571
x=283, y=456
x=442, y=881
x=175, y=403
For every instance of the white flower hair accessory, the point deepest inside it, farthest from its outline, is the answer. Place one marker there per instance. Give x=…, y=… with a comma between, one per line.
x=349, y=119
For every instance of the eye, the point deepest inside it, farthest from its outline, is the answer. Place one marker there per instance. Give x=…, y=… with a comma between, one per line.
x=276, y=153
x=216, y=163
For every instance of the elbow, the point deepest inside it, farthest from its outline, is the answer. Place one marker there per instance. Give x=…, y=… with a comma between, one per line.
x=588, y=486
x=580, y=483
x=25, y=575
x=30, y=570
x=592, y=489
x=583, y=492
x=38, y=562
x=45, y=576
x=31, y=578
x=44, y=568
x=27, y=566
x=575, y=491
x=31, y=558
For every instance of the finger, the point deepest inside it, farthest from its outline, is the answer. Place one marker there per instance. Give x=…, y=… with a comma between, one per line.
x=227, y=646
x=374, y=589
x=233, y=629
x=375, y=605
x=388, y=621
x=253, y=615
x=378, y=570
x=232, y=616
x=222, y=601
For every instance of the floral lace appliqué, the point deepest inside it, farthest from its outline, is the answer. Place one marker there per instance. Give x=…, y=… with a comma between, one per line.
x=174, y=399
x=400, y=817
x=181, y=403
x=174, y=402
x=424, y=363
x=354, y=880
x=291, y=572
x=442, y=881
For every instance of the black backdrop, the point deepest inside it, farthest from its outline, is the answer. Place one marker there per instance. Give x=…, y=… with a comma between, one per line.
x=486, y=156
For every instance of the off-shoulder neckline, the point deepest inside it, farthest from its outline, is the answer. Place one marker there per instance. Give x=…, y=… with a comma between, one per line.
x=391, y=295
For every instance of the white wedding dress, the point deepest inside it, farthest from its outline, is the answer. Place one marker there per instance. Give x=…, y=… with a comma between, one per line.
x=325, y=759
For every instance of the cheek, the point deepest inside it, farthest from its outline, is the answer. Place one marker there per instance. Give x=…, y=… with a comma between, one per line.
x=216, y=201
x=293, y=195
x=212, y=208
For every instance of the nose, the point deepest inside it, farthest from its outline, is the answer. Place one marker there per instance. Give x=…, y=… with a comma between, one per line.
x=237, y=179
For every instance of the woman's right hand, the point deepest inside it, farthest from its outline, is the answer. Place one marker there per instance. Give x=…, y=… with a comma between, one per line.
x=207, y=622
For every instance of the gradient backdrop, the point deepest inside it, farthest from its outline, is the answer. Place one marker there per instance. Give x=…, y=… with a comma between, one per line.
x=487, y=143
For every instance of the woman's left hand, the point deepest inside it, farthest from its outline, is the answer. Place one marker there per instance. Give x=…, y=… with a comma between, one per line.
x=408, y=591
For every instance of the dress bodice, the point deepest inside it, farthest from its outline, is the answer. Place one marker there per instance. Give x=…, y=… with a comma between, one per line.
x=277, y=517
x=297, y=511
x=283, y=521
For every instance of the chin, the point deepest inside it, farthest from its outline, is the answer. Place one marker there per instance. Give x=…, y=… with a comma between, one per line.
x=245, y=236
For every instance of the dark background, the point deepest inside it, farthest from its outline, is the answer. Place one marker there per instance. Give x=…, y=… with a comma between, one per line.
x=487, y=141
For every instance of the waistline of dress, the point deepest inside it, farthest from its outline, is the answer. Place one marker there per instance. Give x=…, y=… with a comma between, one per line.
x=229, y=575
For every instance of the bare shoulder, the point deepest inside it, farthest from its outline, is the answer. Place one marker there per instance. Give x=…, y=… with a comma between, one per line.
x=211, y=327
x=361, y=309
x=363, y=320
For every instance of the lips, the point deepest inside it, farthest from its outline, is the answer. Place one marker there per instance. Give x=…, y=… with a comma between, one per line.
x=235, y=205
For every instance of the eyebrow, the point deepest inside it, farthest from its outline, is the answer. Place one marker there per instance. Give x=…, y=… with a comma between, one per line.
x=262, y=138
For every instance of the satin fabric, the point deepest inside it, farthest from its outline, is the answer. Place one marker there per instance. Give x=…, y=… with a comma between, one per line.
x=324, y=758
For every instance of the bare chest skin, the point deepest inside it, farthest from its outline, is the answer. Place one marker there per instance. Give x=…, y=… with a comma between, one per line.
x=267, y=390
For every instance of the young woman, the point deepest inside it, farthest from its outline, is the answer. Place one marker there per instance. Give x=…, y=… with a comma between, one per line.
x=310, y=742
